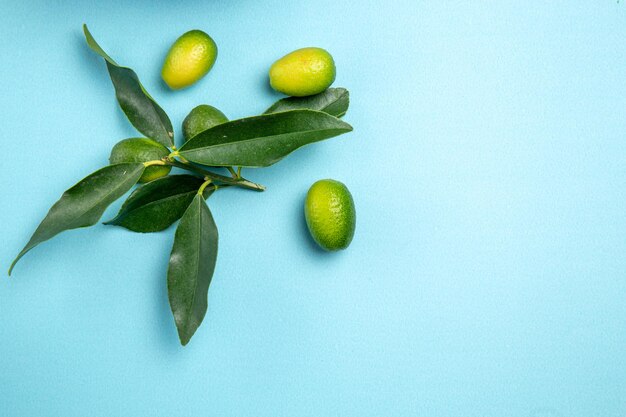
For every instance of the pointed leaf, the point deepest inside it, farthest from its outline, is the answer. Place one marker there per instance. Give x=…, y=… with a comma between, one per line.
x=141, y=109
x=334, y=101
x=191, y=267
x=261, y=140
x=156, y=205
x=83, y=204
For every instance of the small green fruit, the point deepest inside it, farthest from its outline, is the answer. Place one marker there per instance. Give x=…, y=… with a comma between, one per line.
x=303, y=72
x=330, y=214
x=189, y=59
x=200, y=119
x=141, y=150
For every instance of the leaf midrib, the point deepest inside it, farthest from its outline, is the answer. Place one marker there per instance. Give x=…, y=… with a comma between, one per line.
x=73, y=225
x=343, y=94
x=128, y=213
x=105, y=196
x=334, y=101
x=152, y=103
x=299, y=132
x=197, y=263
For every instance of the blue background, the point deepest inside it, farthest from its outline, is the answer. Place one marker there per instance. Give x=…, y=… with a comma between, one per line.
x=487, y=276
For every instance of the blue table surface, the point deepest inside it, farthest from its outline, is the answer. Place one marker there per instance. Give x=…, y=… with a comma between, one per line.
x=487, y=276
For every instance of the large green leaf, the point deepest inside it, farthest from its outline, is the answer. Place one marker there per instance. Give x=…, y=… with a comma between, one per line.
x=261, y=140
x=156, y=205
x=334, y=101
x=191, y=267
x=83, y=204
x=141, y=109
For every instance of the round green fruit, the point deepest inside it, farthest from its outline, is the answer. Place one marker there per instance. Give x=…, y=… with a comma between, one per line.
x=189, y=59
x=141, y=150
x=303, y=72
x=200, y=119
x=330, y=214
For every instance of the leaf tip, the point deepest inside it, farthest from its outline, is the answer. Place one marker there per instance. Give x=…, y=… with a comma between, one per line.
x=184, y=339
x=12, y=266
x=17, y=258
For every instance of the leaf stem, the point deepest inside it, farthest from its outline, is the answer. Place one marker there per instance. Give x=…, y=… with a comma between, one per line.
x=204, y=185
x=175, y=154
x=240, y=182
x=232, y=172
x=156, y=162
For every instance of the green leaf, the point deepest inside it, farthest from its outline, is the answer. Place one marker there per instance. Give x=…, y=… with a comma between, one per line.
x=83, y=204
x=334, y=101
x=191, y=267
x=261, y=140
x=141, y=109
x=156, y=205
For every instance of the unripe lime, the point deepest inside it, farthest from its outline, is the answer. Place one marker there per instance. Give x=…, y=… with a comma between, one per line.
x=141, y=150
x=303, y=72
x=189, y=59
x=200, y=119
x=330, y=214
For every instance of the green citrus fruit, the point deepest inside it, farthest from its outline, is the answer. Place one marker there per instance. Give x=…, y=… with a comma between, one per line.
x=141, y=150
x=202, y=118
x=303, y=72
x=330, y=214
x=189, y=59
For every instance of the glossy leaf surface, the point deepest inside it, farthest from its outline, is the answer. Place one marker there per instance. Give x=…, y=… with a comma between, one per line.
x=83, y=204
x=334, y=101
x=156, y=205
x=261, y=140
x=141, y=109
x=191, y=267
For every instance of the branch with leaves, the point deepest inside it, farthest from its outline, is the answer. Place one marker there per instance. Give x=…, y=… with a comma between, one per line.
x=252, y=142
